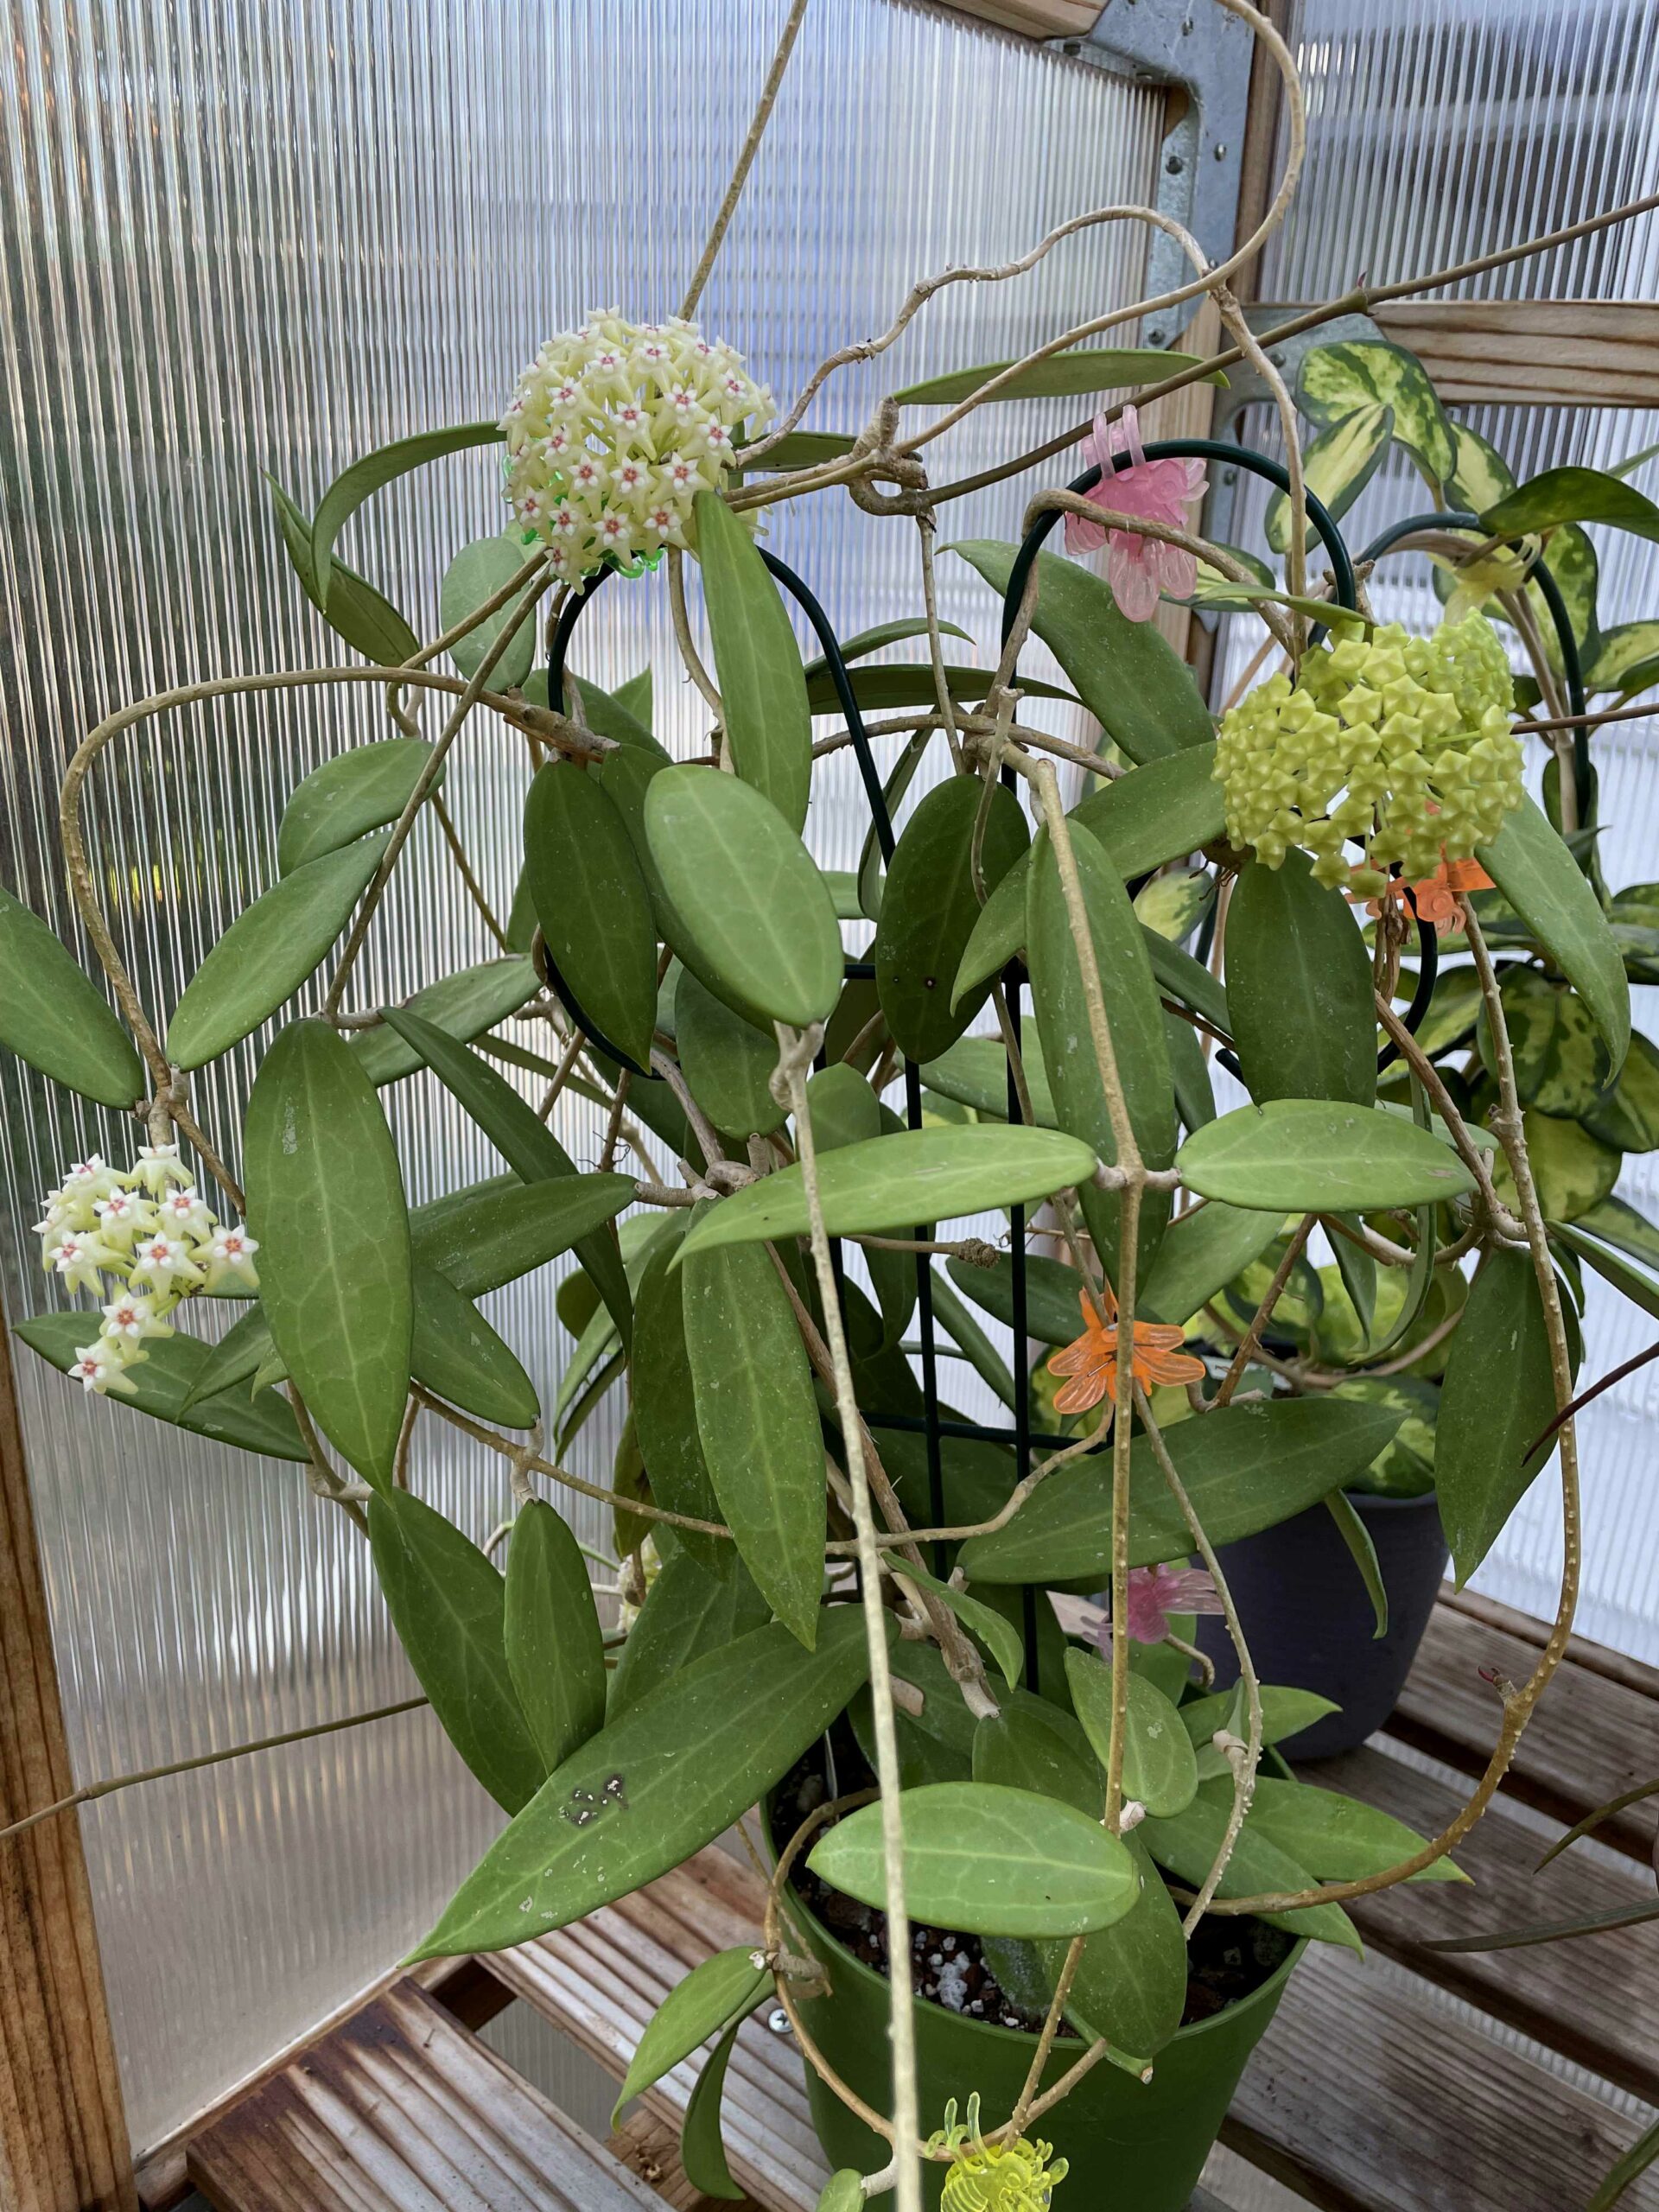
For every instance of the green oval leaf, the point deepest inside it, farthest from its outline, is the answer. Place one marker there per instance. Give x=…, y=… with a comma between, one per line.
x=1542, y=881
x=365, y=477
x=685, y=1762
x=483, y=1238
x=930, y=908
x=974, y=1072
x=457, y=1353
x=758, y=1424
x=1561, y=1061
x=688, y=1612
x=165, y=1386
x=348, y=796
x=1628, y=1115
x=887, y=1182
x=717, y=1993
x=844, y=2191
x=593, y=905
x=326, y=1202
x=1337, y=1839
x=1497, y=1395
x=757, y=661
x=1136, y=1023
x=1201, y=1253
x=523, y=1140
x=54, y=1018
x=1052, y=1290
x=1563, y=495
x=269, y=950
x=1574, y=1171
x=1161, y=1768
x=365, y=618
x=1285, y=1713
x=550, y=1633
x=751, y=916
x=987, y=1859
x=463, y=1005
x=1188, y=1845
x=1628, y=660
x=664, y=1406
x=1299, y=987
x=1336, y=467
x=1133, y=683
x=447, y=1603
x=1244, y=1467
x=1314, y=1155
x=703, y=2154
x=477, y=573
x=897, y=684
x=864, y=642
x=1079, y=369
x=1480, y=476
x=1338, y=381
x=726, y=1062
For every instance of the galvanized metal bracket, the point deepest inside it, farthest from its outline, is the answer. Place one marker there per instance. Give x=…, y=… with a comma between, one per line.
x=1204, y=51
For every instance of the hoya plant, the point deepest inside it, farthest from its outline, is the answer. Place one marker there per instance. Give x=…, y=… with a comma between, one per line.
x=919, y=1590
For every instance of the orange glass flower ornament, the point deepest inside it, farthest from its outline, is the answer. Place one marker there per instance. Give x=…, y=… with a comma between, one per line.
x=1091, y=1361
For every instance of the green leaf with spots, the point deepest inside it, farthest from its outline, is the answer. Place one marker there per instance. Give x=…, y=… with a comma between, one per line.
x=757, y=1423
x=634, y=697
x=1173, y=904
x=1572, y=494
x=1452, y=1010
x=726, y=1062
x=844, y=1111
x=457, y=1353
x=1079, y=369
x=326, y=1202
x=895, y=685
x=757, y=661
x=476, y=573
x=1137, y=1024
x=1188, y=1846
x=1622, y=1227
x=688, y=1611
x=751, y=917
x=54, y=1018
x=975, y=1072
x=664, y=1777
x=1573, y=1170
x=555, y=1652
x=929, y=907
x=716, y=1993
x=1336, y=382
x=1337, y=466
x=463, y=1005
x=1498, y=1394
x=1299, y=987
x=1285, y=1714
x=1641, y=1290
x=491, y=1235
x=1133, y=683
x=357, y=483
x=1314, y=1155
x=1561, y=1060
x=1244, y=1467
x=883, y=1186
x=349, y=796
x=1160, y=1770
x=1628, y=1115
x=1628, y=661
x=1542, y=881
x=991, y=1860
x=1051, y=1292
x=1337, y=1839
x=1480, y=475
x=447, y=1605
x=165, y=1386
x=269, y=950
x=1201, y=1253
x=1000, y=1636
x=593, y=904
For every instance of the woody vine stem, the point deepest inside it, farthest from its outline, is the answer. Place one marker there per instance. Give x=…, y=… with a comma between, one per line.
x=886, y=475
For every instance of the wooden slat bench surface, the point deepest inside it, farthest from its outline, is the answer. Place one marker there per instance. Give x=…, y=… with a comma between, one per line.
x=1380, y=2086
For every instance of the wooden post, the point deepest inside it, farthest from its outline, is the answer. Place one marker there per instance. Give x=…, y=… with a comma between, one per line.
x=63, y=2133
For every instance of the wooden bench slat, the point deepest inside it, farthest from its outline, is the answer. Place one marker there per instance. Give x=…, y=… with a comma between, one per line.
x=1369, y=2098
x=401, y=2110
x=1592, y=1999
x=1591, y=1739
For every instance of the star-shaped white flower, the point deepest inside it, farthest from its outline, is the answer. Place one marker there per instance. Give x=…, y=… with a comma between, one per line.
x=78, y=1259
x=160, y=1165
x=231, y=1253
x=185, y=1213
x=131, y=1318
x=98, y=1369
x=159, y=1260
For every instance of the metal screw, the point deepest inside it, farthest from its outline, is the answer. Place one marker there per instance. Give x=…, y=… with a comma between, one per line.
x=1154, y=338
x=1187, y=27
x=778, y=2020
x=1221, y=153
x=1174, y=165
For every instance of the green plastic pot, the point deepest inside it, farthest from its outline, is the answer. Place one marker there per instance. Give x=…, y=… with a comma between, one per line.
x=1133, y=2146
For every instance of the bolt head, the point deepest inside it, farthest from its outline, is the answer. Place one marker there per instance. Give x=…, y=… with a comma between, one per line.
x=778, y=2020
x=1221, y=153
x=1174, y=165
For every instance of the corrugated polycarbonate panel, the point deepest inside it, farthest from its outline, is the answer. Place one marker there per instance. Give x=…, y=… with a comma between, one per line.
x=271, y=238
x=1439, y=131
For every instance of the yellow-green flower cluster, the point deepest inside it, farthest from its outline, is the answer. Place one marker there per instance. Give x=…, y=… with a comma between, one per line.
x=1402, y=743
x=154, y=1237
x=994, y=2177
x=613, y=431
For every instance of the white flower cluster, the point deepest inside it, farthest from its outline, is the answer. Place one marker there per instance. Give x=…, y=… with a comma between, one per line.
x=150, y=1229
x=613, y=431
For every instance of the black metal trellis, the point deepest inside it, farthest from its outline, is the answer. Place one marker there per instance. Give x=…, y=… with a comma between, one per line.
x=933, y=1426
